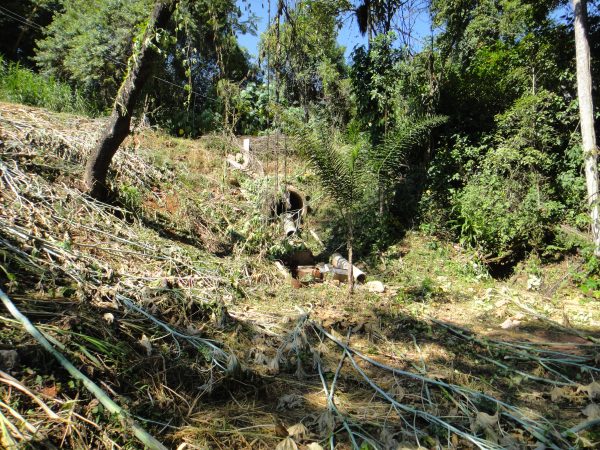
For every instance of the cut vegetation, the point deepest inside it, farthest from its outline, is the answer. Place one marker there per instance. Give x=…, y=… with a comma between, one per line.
x=222, y=351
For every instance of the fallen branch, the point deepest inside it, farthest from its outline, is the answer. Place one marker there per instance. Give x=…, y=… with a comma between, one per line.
x=543, y=432
x=529, y=310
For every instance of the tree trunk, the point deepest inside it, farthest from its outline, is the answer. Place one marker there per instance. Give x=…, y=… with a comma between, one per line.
x=350, y=255
x=586, y=113
x=117, y=129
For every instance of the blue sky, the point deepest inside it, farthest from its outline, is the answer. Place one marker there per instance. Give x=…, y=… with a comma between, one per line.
x=349, y=36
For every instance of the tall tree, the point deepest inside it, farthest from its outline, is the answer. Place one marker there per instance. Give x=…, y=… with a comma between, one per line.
x=586, y=113
x=117, y=128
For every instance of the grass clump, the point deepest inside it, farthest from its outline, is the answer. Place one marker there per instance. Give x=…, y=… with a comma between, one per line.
x=21, y=85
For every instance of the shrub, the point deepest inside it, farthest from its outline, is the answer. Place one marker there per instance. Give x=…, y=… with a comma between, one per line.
x=504, y=216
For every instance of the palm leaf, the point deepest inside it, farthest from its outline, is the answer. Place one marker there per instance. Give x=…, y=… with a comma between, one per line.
x=388, y=157
x=337, y=171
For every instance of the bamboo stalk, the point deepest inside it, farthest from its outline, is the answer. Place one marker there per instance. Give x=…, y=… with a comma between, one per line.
x=139, y=432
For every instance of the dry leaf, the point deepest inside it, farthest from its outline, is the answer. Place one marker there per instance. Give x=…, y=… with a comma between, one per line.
x=313, y=446
x=510, y=323
x=273, y=366
x=510, y=442
x=145, y=342
x=398, y=392
x=408, y=446
x=592, y=411
x=280, y=429
x=592, y=389
x=260, y=358
x=326, y=423
x=50, y=391
x=233, y=365
x=287, y=444
x=559, y=392
x=486, y=423
x=289, y=401
x=109, y=318
x=300, y=373
x=298, y=431
x=387, y=438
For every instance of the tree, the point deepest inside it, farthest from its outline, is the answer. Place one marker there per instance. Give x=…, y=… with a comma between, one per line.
x=88, y=44
x=117, y=128
x=305, y=58
x=341, y=172
x=586, y=113
x=375, y=16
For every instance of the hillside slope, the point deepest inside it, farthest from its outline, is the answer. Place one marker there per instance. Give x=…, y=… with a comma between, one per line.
x=170, y=302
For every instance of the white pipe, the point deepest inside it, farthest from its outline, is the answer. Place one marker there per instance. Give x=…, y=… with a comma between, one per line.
x=339, y=262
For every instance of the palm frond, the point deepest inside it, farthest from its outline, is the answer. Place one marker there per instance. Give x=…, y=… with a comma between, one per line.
x=388, y=157
x=334, y=168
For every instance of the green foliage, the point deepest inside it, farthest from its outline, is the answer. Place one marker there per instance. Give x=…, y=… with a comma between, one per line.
x=21, y=24
x=88, y=43
x=340, y=168
x=307, y=63
x=374, y=78
x=388, y=157
x=244, y=109
x=21, y=85
x=506, y=216
x=356, y=174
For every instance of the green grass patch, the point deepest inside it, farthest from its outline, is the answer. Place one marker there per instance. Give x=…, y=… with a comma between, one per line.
x=22, y=85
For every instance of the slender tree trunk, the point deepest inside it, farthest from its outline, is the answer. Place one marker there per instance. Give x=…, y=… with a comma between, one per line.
x=586, y=113
x=350, y=256
x=24, y=29
x=117, y=129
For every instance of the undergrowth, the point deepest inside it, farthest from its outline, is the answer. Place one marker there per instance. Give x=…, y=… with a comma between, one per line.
x=21, y=85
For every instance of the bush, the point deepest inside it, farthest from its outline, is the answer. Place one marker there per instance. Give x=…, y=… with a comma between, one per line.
x=20, y=85
x=506, y=216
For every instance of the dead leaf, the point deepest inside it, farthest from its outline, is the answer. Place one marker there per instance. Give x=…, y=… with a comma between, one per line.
x=509, y=442
x=280, y=429
x=298, y=431
x=109, y=318
x=145, y=342
x=592, y=411
x=313, y=446
x=398, y=392
x=326, y=423
x=273, y=366
x=487, y=424
x=289, y=401
x=300, y=373
x=260, y=358
x=592, y=389
x=409, y=446
x=287, y=444
x=559, y=392
x=387, y=438
x=50, y=391
x=510, y=323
